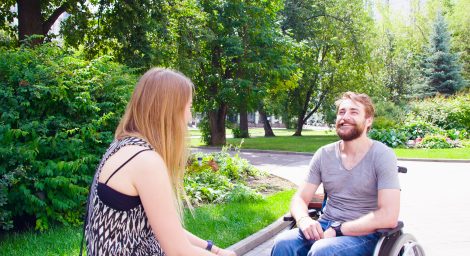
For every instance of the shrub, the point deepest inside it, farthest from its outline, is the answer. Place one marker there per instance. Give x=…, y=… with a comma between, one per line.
x=218, y=177
x=58, y=116
x=390, y=137
x=388, y=115
x=446, y=113
x=382, y=122
x=455, y=134
x=437, y=141
x=416, y=127
x=205, y=129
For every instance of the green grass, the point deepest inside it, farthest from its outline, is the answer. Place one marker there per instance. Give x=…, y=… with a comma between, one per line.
x=286, y=143
x=224, y=224
x=445, y=153
x=312, y=140
x=55, y=241
x=259, y=132
x=227, y=224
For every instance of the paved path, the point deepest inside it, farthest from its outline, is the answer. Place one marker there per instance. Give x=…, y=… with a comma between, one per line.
x=435, y=199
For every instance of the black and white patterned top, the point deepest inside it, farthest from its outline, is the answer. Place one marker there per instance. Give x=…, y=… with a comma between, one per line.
x=111, y=231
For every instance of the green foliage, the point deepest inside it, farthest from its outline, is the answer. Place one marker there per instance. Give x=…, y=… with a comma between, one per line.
x=58, y=116
x=218, y=177
x=455, y=134
x=438, y=141
x=422, y=134
x=461, y=34
x=5, y=215
x=330, y=51
x=205, y=129
x=442, y=69
x=238, y=133
x=415, y=127
x=383, y=122
x=390, y=137
x=241, y=193
x=388, y=114
x=444, y=112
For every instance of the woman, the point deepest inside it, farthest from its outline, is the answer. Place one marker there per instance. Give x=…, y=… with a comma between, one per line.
x=135, y=203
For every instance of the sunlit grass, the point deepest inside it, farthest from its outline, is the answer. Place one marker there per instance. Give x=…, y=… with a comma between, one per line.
x=445, y=153
x=224, y=224
x=312, y=140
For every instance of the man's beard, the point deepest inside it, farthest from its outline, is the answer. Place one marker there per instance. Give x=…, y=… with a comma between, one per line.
x=351, y=133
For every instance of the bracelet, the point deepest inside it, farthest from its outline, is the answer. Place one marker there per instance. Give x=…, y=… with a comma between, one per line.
x=209, y=245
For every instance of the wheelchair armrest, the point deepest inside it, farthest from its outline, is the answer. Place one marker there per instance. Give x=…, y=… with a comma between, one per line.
x=311, y=212
x=402, y=169
x=315, y=206
x=389, y=231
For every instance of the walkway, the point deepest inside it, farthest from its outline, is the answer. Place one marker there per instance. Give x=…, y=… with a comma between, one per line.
x=435, y=199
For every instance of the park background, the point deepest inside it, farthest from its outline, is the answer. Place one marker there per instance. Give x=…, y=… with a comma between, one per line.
x=67, y=69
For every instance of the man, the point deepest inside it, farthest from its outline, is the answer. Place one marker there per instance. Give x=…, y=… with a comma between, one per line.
x=361, y=179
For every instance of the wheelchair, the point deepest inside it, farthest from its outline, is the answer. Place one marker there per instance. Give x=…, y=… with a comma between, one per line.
x=392, y=242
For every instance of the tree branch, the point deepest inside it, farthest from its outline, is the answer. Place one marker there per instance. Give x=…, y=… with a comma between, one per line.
x=54, y=16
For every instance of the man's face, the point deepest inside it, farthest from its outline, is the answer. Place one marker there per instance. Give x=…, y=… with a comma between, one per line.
x=351, y=121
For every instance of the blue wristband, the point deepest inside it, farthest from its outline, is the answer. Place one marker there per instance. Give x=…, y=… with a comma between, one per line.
x=209, y=245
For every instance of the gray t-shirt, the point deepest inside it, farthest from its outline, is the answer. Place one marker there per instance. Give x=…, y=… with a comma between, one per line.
x=353, y=193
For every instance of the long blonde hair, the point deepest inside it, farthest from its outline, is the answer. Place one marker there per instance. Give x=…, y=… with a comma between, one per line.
x=156, y=113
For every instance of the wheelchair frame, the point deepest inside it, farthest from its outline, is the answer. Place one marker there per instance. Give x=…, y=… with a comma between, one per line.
x=393, y=242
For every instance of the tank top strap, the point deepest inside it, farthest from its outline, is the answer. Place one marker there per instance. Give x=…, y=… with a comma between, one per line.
x=128, y=160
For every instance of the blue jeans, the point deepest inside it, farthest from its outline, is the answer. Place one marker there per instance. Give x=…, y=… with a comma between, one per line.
x=293, y=243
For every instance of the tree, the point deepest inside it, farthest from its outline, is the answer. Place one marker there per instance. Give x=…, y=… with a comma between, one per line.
x=331, y=55
x=240, y=61
x=397, y=45
x=36, y=17
x=441, y=67
x=137, y=33
x=461, y=34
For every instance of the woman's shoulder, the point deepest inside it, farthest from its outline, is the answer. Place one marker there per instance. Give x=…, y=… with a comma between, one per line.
x=133, y=141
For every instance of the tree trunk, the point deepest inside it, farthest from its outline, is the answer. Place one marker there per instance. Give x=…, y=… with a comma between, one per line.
x=243, y=121
x=30, y=20
x=268, y=131
x=300, y=124
x=217, y=125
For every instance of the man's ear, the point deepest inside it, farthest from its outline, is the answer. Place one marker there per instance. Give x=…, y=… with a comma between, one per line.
x=369, y=121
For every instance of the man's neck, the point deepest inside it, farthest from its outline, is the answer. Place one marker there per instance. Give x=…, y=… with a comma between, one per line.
x=356, y=146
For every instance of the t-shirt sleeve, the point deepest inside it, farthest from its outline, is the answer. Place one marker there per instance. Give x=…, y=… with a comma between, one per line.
x=314, y=173
x=386, y=169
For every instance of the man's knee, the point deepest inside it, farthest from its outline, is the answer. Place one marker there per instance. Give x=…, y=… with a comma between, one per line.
x=282, y=244
x=288, y=243
x=321, y=248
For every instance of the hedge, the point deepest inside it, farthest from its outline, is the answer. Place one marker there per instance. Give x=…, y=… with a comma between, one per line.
x=58, y=114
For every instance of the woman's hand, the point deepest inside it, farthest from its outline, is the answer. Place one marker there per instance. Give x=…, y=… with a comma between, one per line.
x=223, y=252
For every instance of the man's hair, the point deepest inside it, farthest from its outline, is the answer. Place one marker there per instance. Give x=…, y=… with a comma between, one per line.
x=362, y=98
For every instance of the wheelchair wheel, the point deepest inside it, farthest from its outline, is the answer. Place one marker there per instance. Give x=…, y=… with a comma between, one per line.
x=406, y=244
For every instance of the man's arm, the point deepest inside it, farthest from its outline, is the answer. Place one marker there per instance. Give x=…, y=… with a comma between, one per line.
x=386, y=216
x=299, y=210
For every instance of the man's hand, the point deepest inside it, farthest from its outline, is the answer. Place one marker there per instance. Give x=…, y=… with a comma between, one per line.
x=329, y=233
x=310, y=228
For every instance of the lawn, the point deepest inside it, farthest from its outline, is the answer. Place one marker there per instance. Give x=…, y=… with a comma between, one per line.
x=312, y=140
x=445, y=153
x=308, y=143
x=225, y=224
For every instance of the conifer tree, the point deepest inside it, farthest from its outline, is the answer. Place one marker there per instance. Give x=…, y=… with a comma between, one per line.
x=442, y=71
